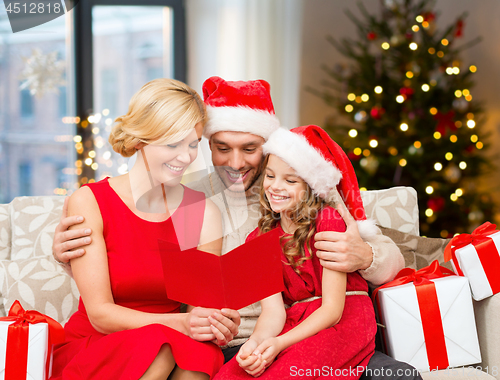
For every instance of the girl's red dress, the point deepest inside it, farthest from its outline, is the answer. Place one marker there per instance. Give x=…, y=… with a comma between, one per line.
x=339, y=352
x=137, y=282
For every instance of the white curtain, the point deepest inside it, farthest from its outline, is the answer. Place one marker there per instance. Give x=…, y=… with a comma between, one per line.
x=245, y=40
x=248, y=39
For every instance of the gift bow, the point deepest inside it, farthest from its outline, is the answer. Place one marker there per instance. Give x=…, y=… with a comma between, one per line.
x=430, y=313
x=479, y=235
x=485, y=248
x=418, y=277
x=16, y=359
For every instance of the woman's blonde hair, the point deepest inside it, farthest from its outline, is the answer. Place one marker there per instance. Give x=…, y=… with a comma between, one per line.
x=162, y=111
x=303, y=215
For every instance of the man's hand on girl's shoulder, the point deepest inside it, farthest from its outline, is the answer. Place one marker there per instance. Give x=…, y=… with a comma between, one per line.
x=343, y=251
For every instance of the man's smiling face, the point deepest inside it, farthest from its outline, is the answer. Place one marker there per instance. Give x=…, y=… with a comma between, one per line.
x=237, y=157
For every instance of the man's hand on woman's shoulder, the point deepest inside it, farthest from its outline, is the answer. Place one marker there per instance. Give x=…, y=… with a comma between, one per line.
x=69, y=244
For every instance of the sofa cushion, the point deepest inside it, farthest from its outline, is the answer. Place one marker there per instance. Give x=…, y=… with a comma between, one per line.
x=5, y=232
x=395, y=208
x=418, y=251
x=34, y=220
x=406, y=243
x=430, y=249
x=40, y=284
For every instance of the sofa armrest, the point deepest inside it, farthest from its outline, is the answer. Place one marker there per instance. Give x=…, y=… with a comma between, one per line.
x=487, y=314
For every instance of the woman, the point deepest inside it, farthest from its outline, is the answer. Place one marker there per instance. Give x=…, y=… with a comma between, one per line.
x=125, y=326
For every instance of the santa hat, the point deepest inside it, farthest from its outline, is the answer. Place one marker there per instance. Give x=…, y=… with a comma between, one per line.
x=323, y=165
x=239, y=107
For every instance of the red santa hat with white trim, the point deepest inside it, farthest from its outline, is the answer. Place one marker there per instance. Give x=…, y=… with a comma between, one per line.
x=239, y=106
x=323, y=165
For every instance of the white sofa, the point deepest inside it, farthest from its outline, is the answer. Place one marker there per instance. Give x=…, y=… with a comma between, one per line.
x=29, y=274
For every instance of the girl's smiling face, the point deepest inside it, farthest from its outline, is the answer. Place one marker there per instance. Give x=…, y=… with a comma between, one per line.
x=284, y=189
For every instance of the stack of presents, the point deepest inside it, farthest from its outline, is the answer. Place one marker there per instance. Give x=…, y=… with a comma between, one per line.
x=427, y=314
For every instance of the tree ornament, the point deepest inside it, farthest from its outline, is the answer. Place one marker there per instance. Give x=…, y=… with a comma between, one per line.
x=475, y=216
x=412, y=150
x=452, y=173
x=392, y=4
x=407, y=92
x=429, y=16
x=372, y=36
x=459, y=28
x=436, y=76
x=429, y=23
x=470, y=148
x=460, y=105
x=360, y=116
x=436, y=204
x=353, y=156
x=445, y=121
x=377, y=112
x=397, y=40
x=370, y=164
x=43, y=73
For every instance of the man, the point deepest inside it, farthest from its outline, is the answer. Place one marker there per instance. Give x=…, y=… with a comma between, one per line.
x=240, y=119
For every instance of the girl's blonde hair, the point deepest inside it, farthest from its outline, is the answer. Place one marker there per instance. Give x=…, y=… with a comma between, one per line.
x=162, y=111
x=303, y=215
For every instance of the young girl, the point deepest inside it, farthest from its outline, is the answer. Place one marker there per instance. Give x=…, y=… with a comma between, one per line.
x=327, y=327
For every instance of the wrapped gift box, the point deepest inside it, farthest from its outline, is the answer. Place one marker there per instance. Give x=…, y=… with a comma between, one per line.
x=26, y=340
x=37, y=350
x=476, y=257
x=426, y=336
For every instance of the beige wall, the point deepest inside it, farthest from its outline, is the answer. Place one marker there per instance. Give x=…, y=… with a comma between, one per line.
x=327, y=17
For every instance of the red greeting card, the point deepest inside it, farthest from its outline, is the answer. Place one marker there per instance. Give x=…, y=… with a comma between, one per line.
x=237, y=279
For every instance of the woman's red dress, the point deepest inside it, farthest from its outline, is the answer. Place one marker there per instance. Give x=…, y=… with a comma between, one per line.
x=137, y=282
x=339, y=352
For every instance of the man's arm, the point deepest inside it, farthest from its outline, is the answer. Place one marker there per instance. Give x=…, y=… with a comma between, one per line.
x=68, y=244
x=378, y=259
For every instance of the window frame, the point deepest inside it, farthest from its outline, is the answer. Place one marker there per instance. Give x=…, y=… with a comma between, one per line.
x=83, y=50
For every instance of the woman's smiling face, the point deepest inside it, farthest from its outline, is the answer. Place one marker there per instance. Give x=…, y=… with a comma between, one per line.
x=168, y=162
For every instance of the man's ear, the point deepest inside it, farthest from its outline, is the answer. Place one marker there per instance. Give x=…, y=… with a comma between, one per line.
x=210, y=143
x=140, y=146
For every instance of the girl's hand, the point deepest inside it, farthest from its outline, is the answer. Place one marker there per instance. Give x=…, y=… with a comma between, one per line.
x=269, y=349
x=252, y=364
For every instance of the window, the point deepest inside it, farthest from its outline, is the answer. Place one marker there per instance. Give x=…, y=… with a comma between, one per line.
x=62, y=102
x=33, y=125
x=25, y=174
x=26, y=104
x=109, y=88
x=51, y=143
x=153, y=73
x=132, y=43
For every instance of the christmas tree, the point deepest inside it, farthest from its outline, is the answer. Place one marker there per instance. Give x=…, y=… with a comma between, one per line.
x=406, y=114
